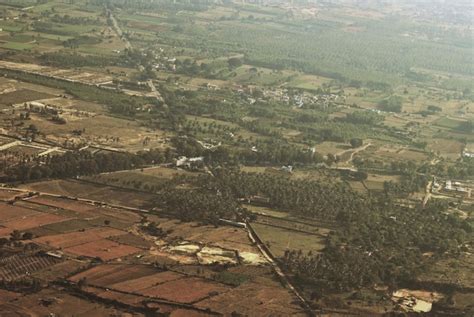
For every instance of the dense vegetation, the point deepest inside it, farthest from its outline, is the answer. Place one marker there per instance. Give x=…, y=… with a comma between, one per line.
x=117, y=103
x=370, y=53
x=376, y=240
x=73, y=164
x=64, y=59
x=236, y=96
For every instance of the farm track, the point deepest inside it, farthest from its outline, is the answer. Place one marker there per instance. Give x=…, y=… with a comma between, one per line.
x=129, y=46
x=118, y=30
x=281, y=274
x=353, y=152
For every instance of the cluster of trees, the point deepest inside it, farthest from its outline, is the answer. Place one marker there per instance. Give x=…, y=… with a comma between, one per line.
x=66, y=59
x=67, y=19
x=430, y=110
x=271, y=151
x=24, y=285
x=307, y=198
x=391, y=104
x=409, y=184
x=314, y=125
x=466, y=126
x=117, y=103
x=194, y=127
x=375, y=241
x=49, y=28
x=274, y=151
x=461, y=169
x=383, y=244
x=152, y=228
x=412, y=178
x=81, y=40
x=364, y=117
x=192, y=68
x=206, y=205
x=73, y=164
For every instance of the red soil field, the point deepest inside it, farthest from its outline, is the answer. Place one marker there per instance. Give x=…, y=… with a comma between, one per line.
x=9, y=212
x=104, y=249
x=133, y=300
x=6, y=194
x=6, y=296
x=225, y=237
x=133, y=240
x=187, y=290
x=276, y=300
x=33, y=221
x=187, y=313
x=109, y=274
x=145, y=282
x=71, y=239
x=5, y=232
x=120, y=214
x=129, y=299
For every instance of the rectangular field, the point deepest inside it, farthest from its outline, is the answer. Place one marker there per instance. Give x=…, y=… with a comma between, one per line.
x=132, y=240
x=103, y=249
x=187, y=290
x=72, y=239
x=108, y=194
x=22, y=95
x=254, y=299
x=32, y=221
x=139, y=284
x=10, y=212
x=279, y=240
x=110, y=274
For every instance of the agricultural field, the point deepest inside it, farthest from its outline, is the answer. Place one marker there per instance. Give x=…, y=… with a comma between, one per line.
x=120, y=259
x=280, y=240
x=22, y=95
x=236, y=158
x=57, y=302
x=146, y=179
x=75, y=188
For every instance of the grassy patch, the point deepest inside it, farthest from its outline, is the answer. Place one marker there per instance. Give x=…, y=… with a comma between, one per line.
x=17, y=46
x=449, y=123
x=279, y=240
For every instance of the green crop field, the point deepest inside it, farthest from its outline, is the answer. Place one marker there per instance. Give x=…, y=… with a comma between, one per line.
x=17, y=46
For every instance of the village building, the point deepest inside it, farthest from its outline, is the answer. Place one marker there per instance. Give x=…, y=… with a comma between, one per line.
x=184, y=161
